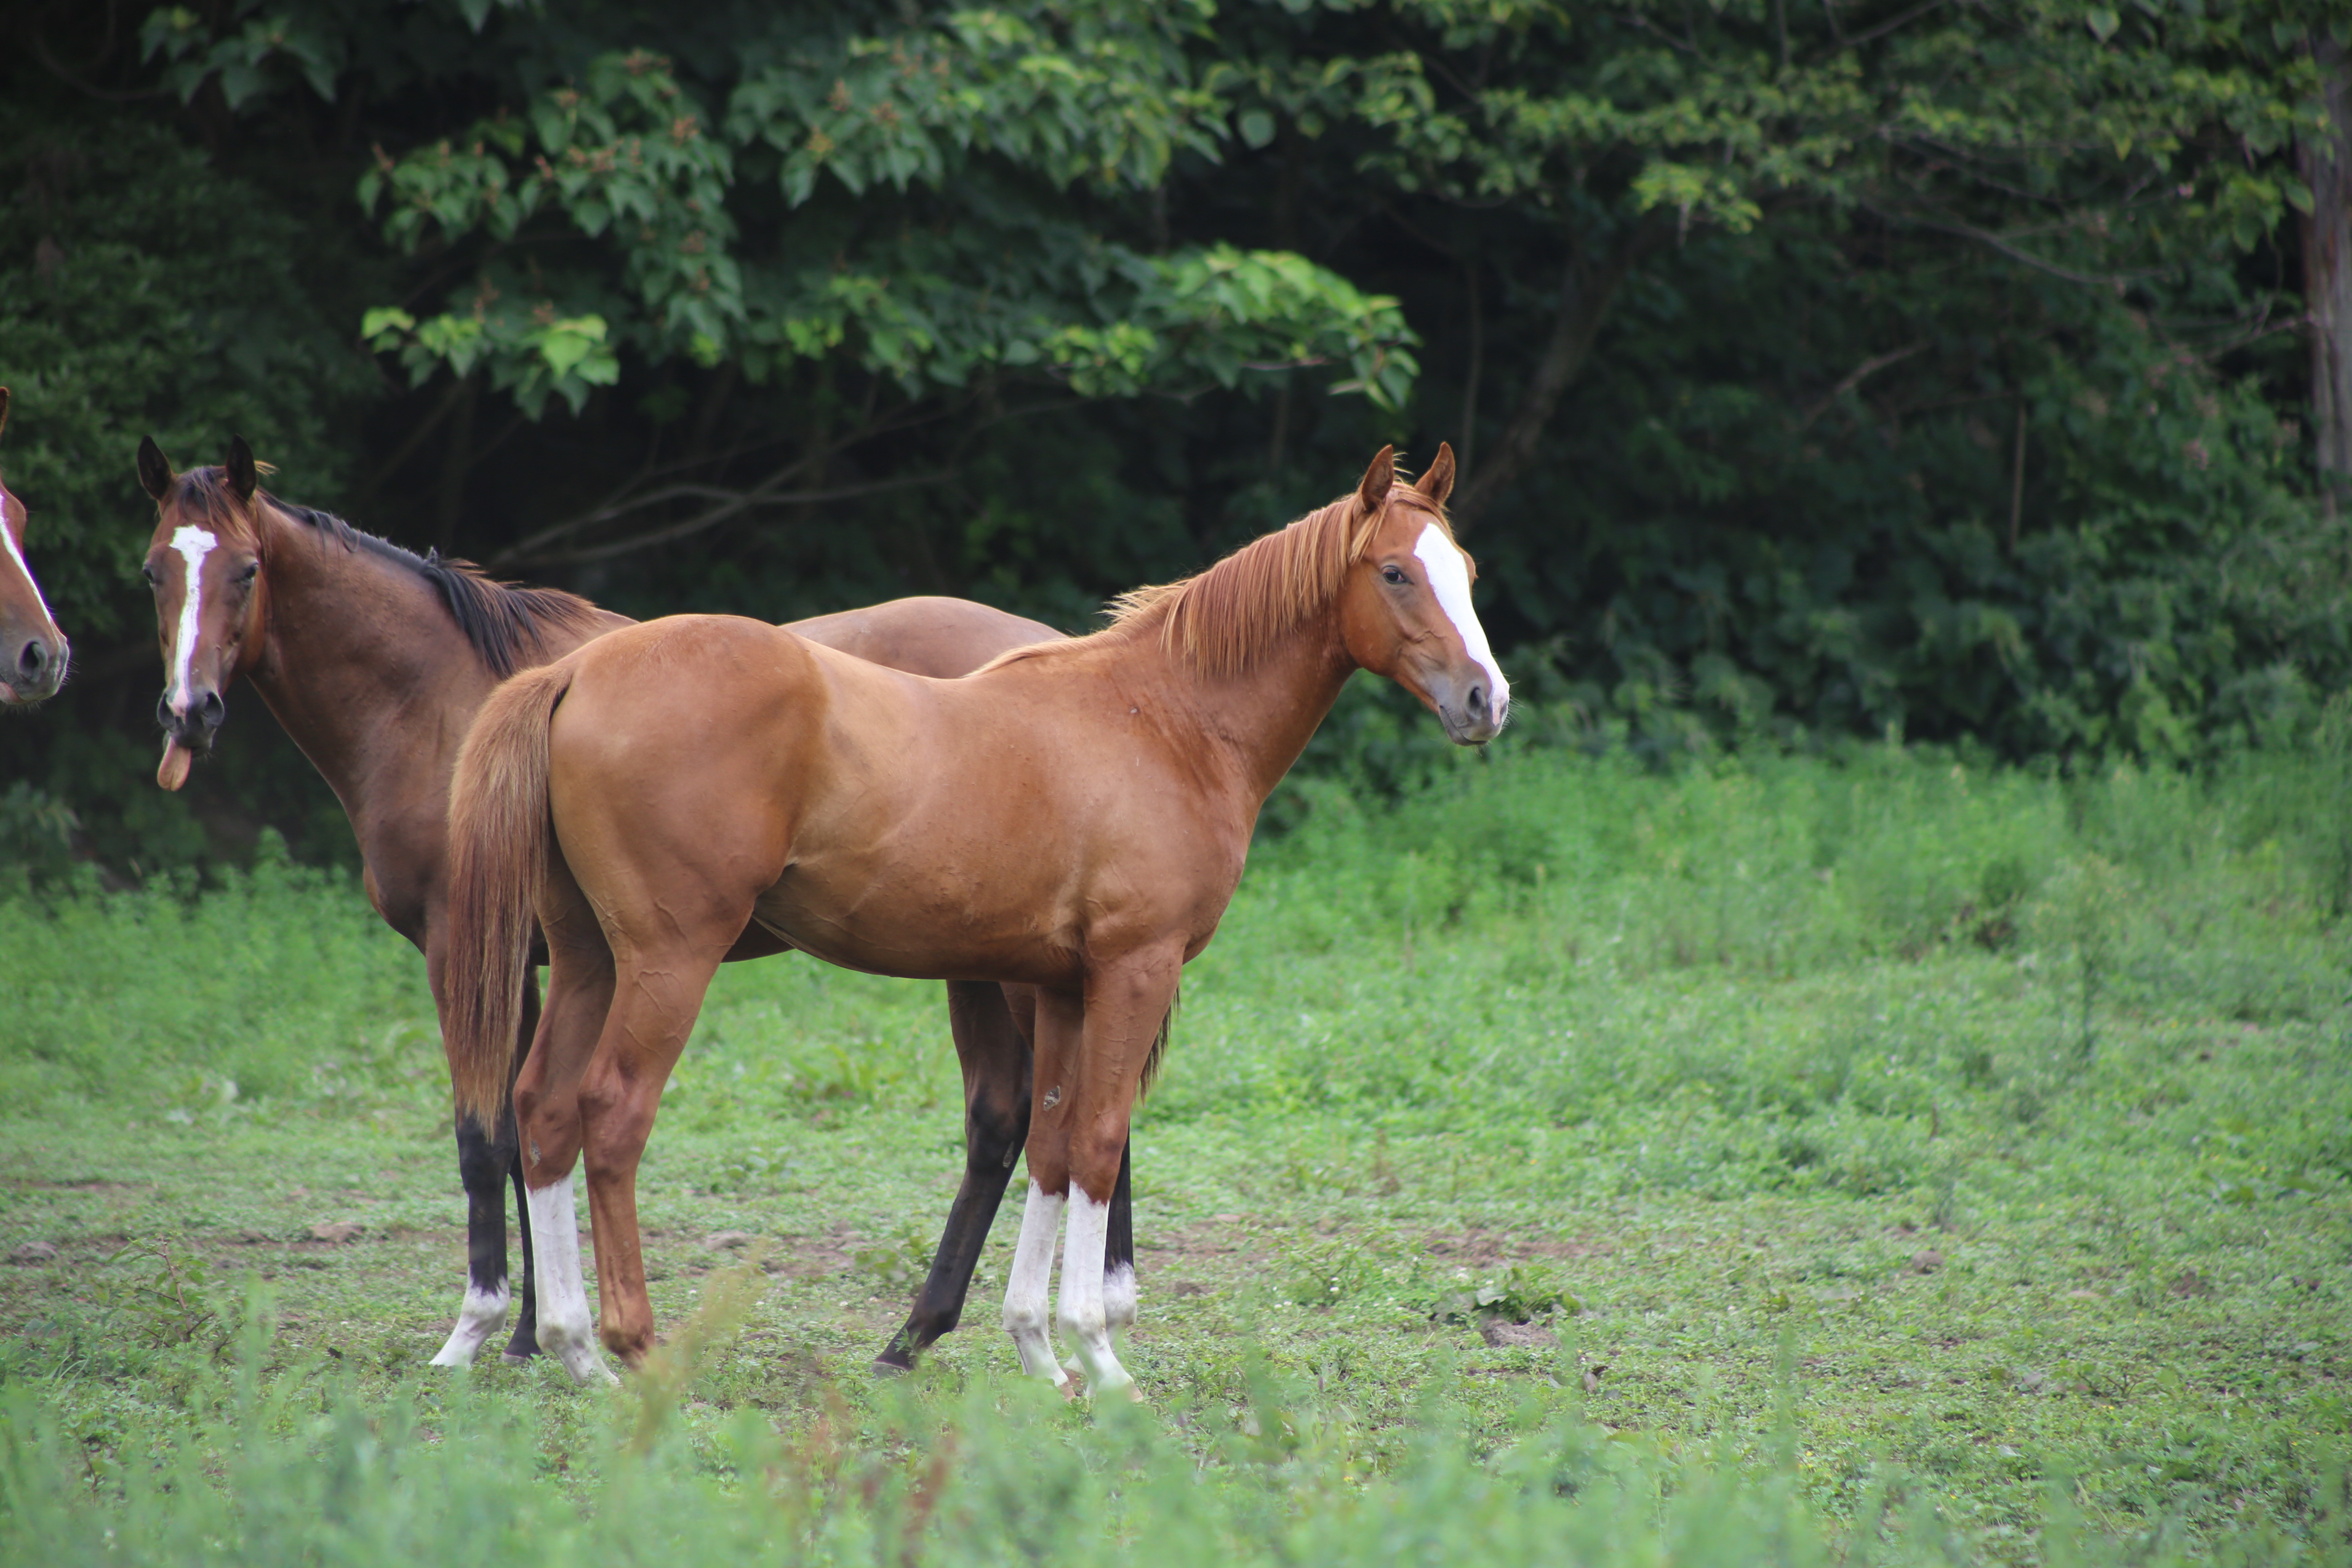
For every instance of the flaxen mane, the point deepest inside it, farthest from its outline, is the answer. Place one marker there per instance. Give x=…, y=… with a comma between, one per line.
x=1224, y=620
x=501, y=621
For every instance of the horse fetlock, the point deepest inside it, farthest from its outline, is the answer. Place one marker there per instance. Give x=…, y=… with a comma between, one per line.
x=483, y=1313
x=1118, y=1298
x=574, y=1345
x=631, y=1345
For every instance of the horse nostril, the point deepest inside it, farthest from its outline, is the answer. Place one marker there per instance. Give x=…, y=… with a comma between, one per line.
x=212, y=710
x=163, y=715
x=1477, y=703
x=33, y=660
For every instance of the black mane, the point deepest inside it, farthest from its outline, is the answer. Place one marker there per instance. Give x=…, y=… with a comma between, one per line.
x=502, y=624
x=501, y=621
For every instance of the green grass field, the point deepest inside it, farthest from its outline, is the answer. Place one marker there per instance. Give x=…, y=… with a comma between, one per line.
x=1780, y=1161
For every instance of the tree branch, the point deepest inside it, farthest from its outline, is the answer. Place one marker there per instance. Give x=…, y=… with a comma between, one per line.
x=735, y=504
x=1987, y=238
x=1585, y=294
x=1855, y=378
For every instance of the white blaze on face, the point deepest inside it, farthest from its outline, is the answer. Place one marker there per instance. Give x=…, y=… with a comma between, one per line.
x=1449, y=579
x=9, y=542
x=194, y=544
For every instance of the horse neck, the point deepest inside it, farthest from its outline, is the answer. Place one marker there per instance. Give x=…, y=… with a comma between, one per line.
x=1260, y=718
x=360, y=663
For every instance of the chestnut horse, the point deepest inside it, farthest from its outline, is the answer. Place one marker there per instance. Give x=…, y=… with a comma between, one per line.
x=33, y=652
x=374, y=662
x=1073, y=817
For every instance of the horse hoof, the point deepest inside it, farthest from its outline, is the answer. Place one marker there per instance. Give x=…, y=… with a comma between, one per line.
x=885, y=1367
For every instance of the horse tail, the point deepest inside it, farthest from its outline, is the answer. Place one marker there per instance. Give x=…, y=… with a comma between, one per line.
x=498, y=837
x=1151, y=1063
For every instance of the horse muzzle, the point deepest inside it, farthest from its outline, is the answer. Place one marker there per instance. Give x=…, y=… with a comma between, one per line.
x=34, y=668
x=193, y=727
x=1470, y=712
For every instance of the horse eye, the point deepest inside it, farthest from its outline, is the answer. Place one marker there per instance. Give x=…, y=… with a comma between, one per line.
x=1391, y=574
x=149, y=573
x=252, y=568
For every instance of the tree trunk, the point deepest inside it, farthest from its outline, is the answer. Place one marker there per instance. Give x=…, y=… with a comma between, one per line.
x=1585, y=293
x=2327, y=265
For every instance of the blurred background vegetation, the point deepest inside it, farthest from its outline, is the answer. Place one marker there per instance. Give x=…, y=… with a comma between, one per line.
x=1819, y=371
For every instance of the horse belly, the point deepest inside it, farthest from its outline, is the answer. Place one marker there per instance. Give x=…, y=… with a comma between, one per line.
x=899, y=920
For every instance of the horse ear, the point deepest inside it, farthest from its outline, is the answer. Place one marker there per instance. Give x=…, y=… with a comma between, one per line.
x=1377, y=479
x=1437, y=483
x=242, y=479
x=154, y=469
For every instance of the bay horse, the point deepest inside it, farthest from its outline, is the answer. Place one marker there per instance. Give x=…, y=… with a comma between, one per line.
x=1074, y=817
x=374, y=660
x=33, y=653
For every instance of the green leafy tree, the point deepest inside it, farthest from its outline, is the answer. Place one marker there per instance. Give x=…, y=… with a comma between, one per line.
x=1817, y=370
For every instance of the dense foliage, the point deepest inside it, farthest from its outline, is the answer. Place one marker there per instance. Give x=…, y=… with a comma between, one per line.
x=1816, y=370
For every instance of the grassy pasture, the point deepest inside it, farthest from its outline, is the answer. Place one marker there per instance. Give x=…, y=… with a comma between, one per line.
x=1778, y=1160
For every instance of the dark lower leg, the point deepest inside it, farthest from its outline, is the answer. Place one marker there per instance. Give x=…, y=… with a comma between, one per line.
x=986, y=1172
x=484, y=1310
x=993, y=1052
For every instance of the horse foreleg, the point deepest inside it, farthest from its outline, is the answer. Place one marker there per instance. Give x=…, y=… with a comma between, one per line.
x=1125, y=1005
x=524, y=1343
x=1027, y=1316
x=994, y=1056
x=1118, y=1248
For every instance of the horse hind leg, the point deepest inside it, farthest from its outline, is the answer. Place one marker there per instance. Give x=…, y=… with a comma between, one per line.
x=547, y=1109
x=652, y=1016
x=994, y=1056
x=483, y=1159
x=482, y=1170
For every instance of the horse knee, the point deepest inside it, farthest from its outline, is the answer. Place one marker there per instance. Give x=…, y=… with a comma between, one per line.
x=1024, y=1315
x=994, y=1127
x=550, y=1135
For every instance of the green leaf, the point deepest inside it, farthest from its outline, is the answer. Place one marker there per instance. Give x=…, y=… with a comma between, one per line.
x=1256, y=127
x=2102, y=22
x=386, y=319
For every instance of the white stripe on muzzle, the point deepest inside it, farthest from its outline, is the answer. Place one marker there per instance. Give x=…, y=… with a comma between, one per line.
x=17, y=555
x=194, y=544
x=1449, y=579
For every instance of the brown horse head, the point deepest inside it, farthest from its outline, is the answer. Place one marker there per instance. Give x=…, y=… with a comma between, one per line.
x=204, y=565
x=1405, y=609
x=33, y=652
